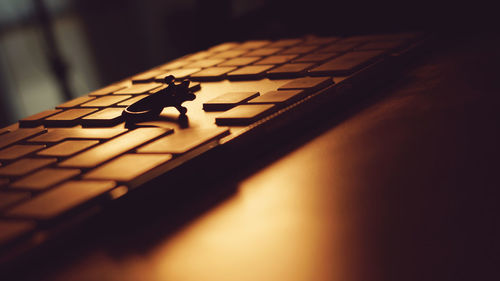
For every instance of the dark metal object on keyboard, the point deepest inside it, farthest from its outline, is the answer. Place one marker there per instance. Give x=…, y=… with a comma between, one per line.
x=150, y=107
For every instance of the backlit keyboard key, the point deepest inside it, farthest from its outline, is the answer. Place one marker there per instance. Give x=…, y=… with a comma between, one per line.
x=177, y=73
x=228, y=54
x=147, y=77
x=138, y=89
x=128, y=167
x=289, y=70
x=175, y=64
x=280, y=59
x=184, y=140
x=61, y=199
x=299, y=50
x=307, y=83
x=114, y=147
x=253, y=44
x=240, y=61
x=316, y=57
x=284, y=43
x=69, y=117
x=319, y=40
x=278, y=97
x=338, y=47
x=45, y=178
x=223, y=47
x=18, y=151
x=36, y=120
x=106, y=101
x=263, y=52
x=25, y=166
x=228, y=100
x=60, y=134
x=109, y=89
x=18, y=135
x=204, y=63
x=75, y=102
x=347, y=63
x=132, y=100
x=67, y=148
x=10, y=229
x=195, y=57
x=8, y=199
x=104, y=118
x=243, y=114
x=212, y=73
x=250, y=72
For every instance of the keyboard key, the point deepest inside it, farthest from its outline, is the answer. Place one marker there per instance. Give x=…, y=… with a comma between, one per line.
x=106, y=101
x=75, y=102
x=194, y=86
x=25, y=166
x=147, y=76
x=17, y=151
x=128, y=167
x=279, y=97
x=228, y=100
x=177, y=73
x=104, y=118
x=175, y=64
x=67, y=118
x=249, y=72
x=253, y=44
x=195, y=57
x=299, y=50
x=338, y=47
x=280, y=59
x=132, y=100
x=57, y=135
x=319, y=40
x=316, y=57
x=212, y=73
x=45, y=178
x=240, y=61
x=346, y=64
x=263, y=52
x=284, y=43
x=245, y=114
x=307, y=83
x=36, y=120
x=10, y=229
x=138, y=89
x=8, y=199
x=108, y=90
x=19, y=135
x=61, y=199
x=67, y=148
x=289, y=70
x=228, y=54
x=184, y=140
x=113, y=148
x=204, y=63
x=223, y=47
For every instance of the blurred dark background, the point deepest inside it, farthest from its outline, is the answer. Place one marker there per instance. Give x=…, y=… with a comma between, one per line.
x=53, y=50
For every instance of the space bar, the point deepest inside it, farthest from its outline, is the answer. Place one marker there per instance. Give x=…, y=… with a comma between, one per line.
x=113, y=148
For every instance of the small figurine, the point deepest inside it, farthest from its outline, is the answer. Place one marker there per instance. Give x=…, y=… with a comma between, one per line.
x=150, y=107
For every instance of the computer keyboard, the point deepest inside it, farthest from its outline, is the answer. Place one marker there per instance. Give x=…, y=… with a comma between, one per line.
x=56, y=164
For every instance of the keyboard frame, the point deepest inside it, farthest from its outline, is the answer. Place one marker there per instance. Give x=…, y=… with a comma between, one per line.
x=345, y=91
